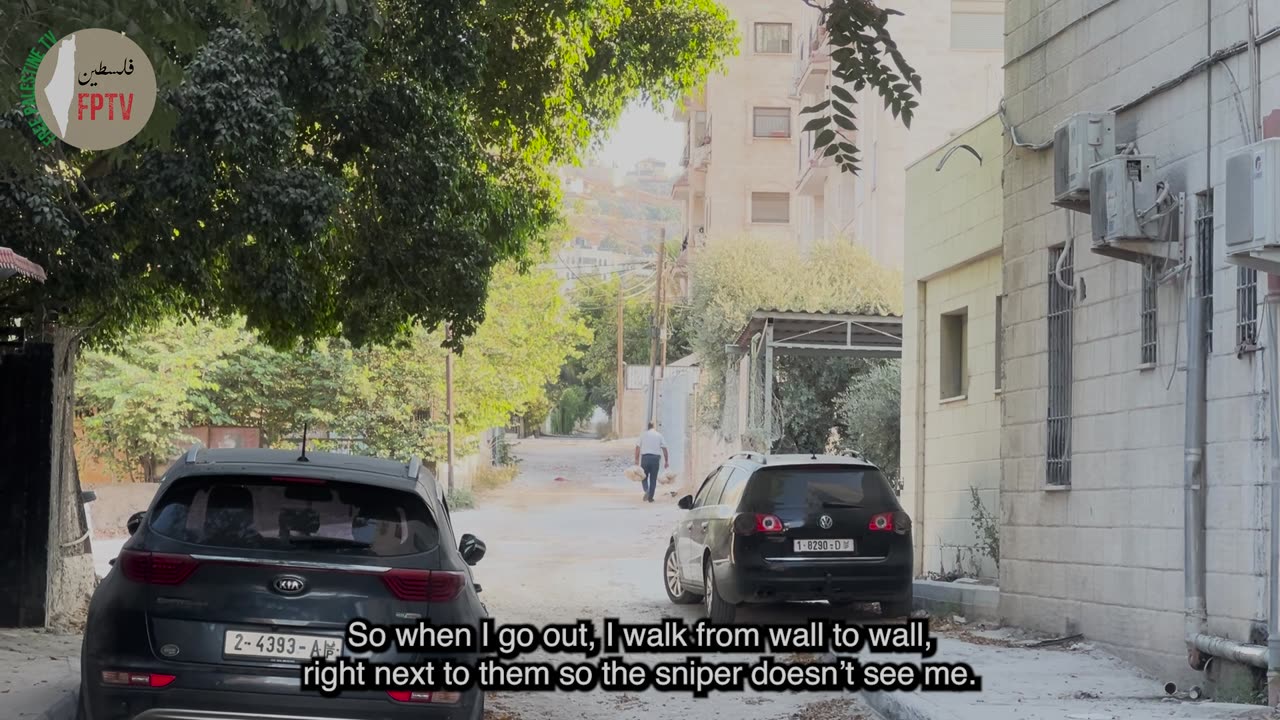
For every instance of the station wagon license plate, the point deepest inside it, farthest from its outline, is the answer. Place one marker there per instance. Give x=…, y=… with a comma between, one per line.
x=824, y=545
x=280, y=646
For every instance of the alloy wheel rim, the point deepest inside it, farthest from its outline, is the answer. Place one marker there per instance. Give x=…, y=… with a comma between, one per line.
x=673, y=575
x=709, y=582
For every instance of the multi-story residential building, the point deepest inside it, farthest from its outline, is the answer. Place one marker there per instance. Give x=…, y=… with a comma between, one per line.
x=950, y=351
x=957, y=48
x=1095, y=386
x=739, y=159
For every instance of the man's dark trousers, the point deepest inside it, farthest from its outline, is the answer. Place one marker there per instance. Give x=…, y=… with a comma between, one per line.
x=650, y=464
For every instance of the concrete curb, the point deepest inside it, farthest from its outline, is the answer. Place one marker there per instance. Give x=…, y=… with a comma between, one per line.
x=904, y=705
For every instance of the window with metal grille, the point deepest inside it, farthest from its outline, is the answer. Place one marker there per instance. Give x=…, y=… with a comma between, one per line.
x=771, y=122
x=1246, y=308
x=770, y=207
x=1058, y=424
x=999, y=377
x=1204, y=259
x=1149, y=321
x=773, y=37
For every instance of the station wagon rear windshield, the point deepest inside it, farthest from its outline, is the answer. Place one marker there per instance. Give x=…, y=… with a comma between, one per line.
x=250, y=512
x=812, y=487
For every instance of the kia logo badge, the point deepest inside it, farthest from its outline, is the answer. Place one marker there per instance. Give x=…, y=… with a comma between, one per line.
x=288, y=585
x=824, y=522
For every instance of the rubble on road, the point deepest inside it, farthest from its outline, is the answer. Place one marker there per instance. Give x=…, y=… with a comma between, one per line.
x=39, y=674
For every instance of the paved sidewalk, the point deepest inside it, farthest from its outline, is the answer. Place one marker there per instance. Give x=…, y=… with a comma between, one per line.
x=39, y=675
x=1019, y=683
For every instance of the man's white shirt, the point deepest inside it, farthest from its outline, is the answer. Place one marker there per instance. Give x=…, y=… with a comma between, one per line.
x=651, y=442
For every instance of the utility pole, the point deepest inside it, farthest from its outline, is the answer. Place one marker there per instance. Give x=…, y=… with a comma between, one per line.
x=622, y=376
x=448, y=401
x=653, y=328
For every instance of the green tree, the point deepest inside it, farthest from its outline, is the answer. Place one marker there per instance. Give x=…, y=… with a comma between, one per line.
x=870, y=411
x=135, y=403
x=359, y=173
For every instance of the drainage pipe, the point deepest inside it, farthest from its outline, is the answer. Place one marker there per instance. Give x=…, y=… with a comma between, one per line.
x=1255, y=655
x=1272, y=308
x=1193, y=472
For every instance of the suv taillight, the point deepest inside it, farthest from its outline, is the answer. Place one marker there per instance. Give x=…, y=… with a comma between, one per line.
x=757, y=524
x=422, y=696
x=424, y=585
x=156, y=568
x=890, y=522
x=136, y=679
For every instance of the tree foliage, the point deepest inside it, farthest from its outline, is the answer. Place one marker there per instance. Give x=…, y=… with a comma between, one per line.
x=328, y=167
x=137, y=400
x=870, y=412
x=734, y=279
x=864, y=56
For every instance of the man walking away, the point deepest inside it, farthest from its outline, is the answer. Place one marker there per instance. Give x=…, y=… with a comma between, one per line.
x=651, y=449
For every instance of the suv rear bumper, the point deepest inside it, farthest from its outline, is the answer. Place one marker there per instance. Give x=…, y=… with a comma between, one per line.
x=792, y=582
x=180, y=704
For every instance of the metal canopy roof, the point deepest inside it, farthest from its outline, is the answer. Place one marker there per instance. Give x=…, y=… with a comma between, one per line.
x=825, y=334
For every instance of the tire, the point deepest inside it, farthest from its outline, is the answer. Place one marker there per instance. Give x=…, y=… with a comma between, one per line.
x=718, y=611
x=82, y=710
x=901, y=607
x=676, y=591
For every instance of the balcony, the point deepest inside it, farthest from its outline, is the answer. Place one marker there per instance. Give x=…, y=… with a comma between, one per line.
x=813, y=63
x=701, y=155
x=812, y=169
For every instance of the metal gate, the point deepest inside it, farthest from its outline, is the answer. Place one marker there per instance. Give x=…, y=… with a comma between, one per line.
x=26, y=417
x=675, y=403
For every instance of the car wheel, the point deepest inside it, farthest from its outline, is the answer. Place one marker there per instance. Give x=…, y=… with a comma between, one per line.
x=82, y=711
x=718, y=611
x=676, y=590
x=898, y=608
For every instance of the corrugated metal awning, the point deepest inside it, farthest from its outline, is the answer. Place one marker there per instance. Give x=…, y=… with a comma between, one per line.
x=826, y=333
x=11, y=263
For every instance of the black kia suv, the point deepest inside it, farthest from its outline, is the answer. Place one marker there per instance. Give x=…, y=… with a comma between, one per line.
x=249, y=563
x=778, y=528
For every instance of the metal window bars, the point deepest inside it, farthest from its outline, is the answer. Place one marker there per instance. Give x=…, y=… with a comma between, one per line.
x=1058, y=420
x=1150, y=283
x=1246, y=308
x=1204, y=260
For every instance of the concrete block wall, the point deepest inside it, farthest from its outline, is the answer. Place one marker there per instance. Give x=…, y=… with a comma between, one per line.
x=952, y=257
x=1105, y=556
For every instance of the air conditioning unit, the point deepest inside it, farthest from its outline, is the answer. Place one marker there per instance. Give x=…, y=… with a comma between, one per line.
x=1079, y=142
x=1253, y=206
x=1123, y=195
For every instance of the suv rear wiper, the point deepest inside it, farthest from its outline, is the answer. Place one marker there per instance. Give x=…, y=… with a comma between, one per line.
x=329, y=542
x=829, y=504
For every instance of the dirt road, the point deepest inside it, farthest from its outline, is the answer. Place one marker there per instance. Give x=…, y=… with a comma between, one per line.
x=571, y=539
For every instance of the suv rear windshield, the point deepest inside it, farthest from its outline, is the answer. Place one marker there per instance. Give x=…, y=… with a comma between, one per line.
x=805, y=487
x=263, y=513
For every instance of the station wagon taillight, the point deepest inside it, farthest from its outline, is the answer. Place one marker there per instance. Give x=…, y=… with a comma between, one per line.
x=156, y=568
x=890, y=522
x=424, y=585
x=757, y=524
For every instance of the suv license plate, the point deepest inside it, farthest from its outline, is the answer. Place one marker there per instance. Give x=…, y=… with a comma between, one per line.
x=824, y=545
x=242, y=643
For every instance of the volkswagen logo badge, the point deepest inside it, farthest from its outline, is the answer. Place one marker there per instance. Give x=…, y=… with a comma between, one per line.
x=825, y=522
x=289, y=585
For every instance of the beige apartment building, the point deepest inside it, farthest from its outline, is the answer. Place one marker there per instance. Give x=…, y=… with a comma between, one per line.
x=740, y=167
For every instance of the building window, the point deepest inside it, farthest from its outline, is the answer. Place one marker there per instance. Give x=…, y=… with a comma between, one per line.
x=953, y=360
x=771, y=122
x=977, y=25
x=1058, y=425
x=1246, y=308
x=770, y=207
x=773, y=38
x=1149, y=285
x=999, y=376
x=1204, y=260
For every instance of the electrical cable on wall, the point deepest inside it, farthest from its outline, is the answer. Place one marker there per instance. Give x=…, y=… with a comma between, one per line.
x=1013, y=132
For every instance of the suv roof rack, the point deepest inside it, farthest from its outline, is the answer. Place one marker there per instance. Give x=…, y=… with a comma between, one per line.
x=193, y=451
x=415, y=466
x=764, y=460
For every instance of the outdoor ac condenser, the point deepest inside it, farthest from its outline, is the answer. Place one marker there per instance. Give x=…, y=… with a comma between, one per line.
x=1123, y=195
x=1252, y=225
x=1079, y=142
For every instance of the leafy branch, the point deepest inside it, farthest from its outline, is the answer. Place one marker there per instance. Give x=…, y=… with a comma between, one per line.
x=865, y=55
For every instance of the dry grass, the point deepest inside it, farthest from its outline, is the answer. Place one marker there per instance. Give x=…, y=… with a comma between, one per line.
x=492, y=478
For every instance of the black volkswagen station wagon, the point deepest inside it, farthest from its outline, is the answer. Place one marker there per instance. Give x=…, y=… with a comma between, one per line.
x=251, y=562
x=778, y=528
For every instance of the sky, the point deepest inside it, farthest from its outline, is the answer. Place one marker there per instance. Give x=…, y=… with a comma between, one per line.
x=642, y=134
